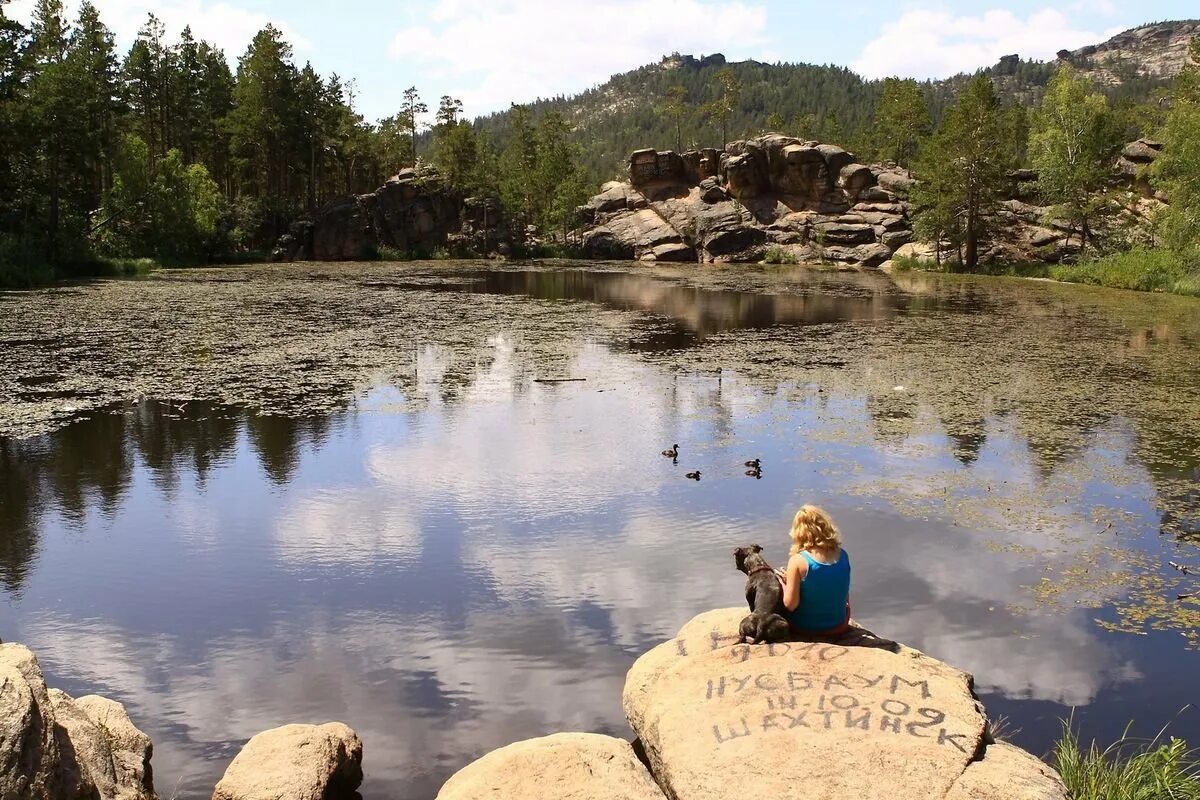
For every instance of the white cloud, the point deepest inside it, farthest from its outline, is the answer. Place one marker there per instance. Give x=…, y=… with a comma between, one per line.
x=518, y=50
x=227, y=26
x=926, y=43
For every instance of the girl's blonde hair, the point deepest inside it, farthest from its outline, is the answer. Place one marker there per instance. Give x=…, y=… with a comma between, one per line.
x=812, y=529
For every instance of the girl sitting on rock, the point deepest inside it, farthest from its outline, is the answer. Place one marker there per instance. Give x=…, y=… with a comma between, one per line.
x=819, y=562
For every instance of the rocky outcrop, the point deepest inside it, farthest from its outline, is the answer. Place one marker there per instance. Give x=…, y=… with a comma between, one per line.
x=841, y=720
x=580, y=766
x=296, y=762
x=54, y=747
x=811, y=199
x=414, y=213
x=1155, y=51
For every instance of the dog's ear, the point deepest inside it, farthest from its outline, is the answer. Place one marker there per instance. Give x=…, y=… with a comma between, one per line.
x=756, y=548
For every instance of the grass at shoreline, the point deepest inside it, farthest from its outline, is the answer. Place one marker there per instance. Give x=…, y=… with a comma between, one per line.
x=1129, y=769
x=1139, y=269
x=37, y=274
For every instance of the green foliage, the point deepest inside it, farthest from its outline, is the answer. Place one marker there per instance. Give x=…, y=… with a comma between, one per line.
x=780, y=255
x=901, y=120
x=171, y=216
x=1127, y=770
x=675, y=107
x=1159, y=270
x=1178, y=168
x=722, y=107
x=963, y=171
x=1074, y=141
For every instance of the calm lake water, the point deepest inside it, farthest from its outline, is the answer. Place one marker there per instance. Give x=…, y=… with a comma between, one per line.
x=238, y=498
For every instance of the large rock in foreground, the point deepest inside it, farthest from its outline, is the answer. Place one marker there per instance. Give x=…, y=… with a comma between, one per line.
x=296, y=762
x=53, y=747
x=579, y=766
x=807, y=719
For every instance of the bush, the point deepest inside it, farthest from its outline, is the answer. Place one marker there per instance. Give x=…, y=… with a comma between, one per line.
x=780, y=255
x=1127, y=770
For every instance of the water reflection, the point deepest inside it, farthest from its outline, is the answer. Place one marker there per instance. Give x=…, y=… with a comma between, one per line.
x=697, y=312
x=484, y=566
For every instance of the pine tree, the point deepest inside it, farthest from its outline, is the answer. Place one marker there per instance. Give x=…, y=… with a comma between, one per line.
x=454, y=145
x=413, y=107
x=1074, y=142
x=92, y=63
x=963, y=171
x=675, y=107
x=729, y=89
x=901, y=121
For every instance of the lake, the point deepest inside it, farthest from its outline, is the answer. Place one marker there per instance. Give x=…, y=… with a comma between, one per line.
x=237, y=498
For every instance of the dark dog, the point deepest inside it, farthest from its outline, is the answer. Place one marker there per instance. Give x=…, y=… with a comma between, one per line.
x=764, y=595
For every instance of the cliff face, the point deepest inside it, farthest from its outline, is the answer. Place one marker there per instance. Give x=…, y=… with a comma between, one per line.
x=411, y=213
x=1159, y=50
x=812, y=200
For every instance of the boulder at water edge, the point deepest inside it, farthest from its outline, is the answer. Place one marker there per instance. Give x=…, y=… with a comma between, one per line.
x=809, y=720
x=579, y=766
x=53, y=747
x=296, y=762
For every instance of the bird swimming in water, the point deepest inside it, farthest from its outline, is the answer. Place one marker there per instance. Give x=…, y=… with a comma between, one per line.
x=673, y=452
x=754, y=473
x=755, y=464
x=693, y=475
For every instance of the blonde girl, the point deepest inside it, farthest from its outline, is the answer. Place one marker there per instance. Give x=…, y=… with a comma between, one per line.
x=819, y=563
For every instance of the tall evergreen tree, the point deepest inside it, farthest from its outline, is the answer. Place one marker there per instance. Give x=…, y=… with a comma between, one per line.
x=264, y=105
x=675, y=107
x=92, y=64
x=722, y=108
x=963, y=171
x=901, y=121
x=412, y=109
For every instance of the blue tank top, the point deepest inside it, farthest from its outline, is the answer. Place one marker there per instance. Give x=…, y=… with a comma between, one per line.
x=823, y=595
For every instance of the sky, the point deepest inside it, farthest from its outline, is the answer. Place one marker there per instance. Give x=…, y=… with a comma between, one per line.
x=492, y=53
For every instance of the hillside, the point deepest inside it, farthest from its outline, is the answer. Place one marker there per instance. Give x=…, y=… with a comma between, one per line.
x=826, y=102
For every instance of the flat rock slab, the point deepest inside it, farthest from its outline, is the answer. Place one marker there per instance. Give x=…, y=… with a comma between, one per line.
x=815, y=720
x=565, y=766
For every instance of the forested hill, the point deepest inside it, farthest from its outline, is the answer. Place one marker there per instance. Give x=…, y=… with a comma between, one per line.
x=825, y=102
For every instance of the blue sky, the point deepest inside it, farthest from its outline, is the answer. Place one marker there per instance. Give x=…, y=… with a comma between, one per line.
x=489, y=53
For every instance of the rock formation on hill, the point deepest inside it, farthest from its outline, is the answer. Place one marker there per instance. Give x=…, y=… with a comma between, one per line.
x=1157, y=50
x=413, y=213
x=811, y=199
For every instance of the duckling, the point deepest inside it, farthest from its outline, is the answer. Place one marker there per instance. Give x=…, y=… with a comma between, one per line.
x=755, y=464
x=693, y=475
x=673, y=452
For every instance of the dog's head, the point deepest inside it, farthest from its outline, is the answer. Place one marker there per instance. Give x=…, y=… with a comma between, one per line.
x=742, y=554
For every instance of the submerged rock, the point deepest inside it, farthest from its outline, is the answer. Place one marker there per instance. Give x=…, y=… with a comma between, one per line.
x=296, y=762
x=53, y=747
x=580, y=766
